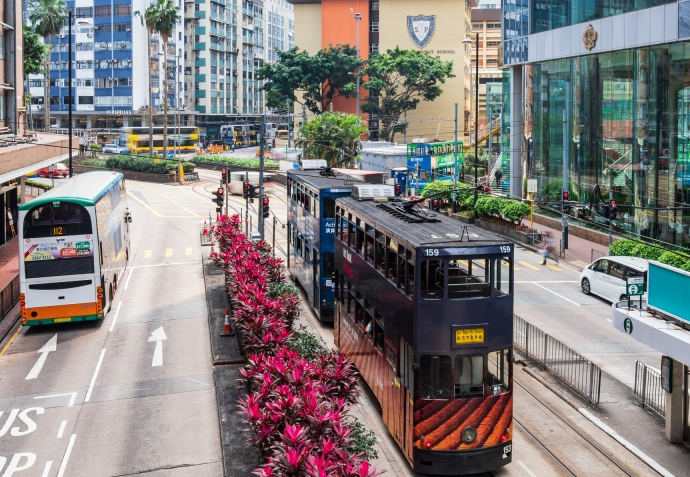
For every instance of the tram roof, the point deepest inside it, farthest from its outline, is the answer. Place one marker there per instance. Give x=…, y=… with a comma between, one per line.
x=420, y=234
x=84, y=189
x=315, y=179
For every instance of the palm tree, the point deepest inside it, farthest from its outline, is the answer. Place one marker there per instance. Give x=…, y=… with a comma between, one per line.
x=48, y=18
x=165, y=15
x=148, y=18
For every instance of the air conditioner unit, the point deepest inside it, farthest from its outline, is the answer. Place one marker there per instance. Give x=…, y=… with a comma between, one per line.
x=89, y=35
x=40, y=106
x=62, y=36
x=128, y=29
x=369, y=191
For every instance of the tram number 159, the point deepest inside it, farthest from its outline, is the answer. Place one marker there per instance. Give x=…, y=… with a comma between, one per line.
x=431, y=252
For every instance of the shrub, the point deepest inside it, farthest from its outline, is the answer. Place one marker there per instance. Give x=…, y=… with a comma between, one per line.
x=493, y=206
x=514, y=210
x=646, y=251
x=38, y=185
x=623, y=248
x=363, y=440
x=145, y=164
x=634, y=248
x=673, y=260
x=308, y=346
x=232, y=161
x=482, y=205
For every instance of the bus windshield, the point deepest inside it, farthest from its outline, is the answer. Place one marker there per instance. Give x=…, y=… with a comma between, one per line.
x=57, y=219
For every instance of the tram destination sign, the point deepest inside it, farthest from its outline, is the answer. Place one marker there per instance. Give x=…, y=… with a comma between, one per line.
x=464, y=335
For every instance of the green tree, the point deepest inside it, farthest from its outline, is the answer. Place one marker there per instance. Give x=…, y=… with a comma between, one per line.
x=48, y=18
x=34, y=60
x=164, y=15
x=398, y=81
x=314, y=81
x=332, y=136
x=148, y=18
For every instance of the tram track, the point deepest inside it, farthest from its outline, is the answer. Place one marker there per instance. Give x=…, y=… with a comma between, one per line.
x=567, y=467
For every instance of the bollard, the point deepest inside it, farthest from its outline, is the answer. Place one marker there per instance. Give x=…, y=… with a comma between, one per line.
x=205, y=228
x=227, y=329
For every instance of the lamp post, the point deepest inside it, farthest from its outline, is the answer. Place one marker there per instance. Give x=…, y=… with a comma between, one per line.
x=358, y=17
x=468, y=41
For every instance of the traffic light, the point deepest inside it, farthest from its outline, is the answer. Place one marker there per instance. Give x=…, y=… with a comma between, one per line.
x=265, y=208
x=566, y=206
x=253, y=192
x=565, y=196
x=224, y=174
x=435, y=204
x=398, y=189
x=245, y=190
x=219, y=197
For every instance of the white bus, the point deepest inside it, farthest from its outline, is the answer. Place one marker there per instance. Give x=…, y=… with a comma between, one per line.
x=74, y=249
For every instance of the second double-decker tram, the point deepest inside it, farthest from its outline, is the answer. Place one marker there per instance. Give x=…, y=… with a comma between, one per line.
x=424, y=308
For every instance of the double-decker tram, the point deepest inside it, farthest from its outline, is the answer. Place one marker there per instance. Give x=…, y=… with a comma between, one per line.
x=311, y=225
x=74, y=249
x=424, y=308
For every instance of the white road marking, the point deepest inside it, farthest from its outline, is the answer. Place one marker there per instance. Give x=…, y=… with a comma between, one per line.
x=197, y=381
x=62, y=429
x=117, y=311
x=560, y=296
x=65, y=459
x=158, y=335
x=526, y=469
x=609, y=320
x=51, y=345
x=545, y=281
x=95, y=375
x=129, y=277
x=167, y=264
x=46, y=471
x=71, y=399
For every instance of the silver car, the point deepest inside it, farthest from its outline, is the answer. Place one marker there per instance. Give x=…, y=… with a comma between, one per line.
x=607, y=276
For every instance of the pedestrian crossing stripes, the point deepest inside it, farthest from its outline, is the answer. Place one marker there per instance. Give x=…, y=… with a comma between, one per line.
x=168, y=252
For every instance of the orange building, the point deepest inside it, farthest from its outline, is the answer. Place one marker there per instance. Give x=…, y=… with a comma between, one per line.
x=434, y=26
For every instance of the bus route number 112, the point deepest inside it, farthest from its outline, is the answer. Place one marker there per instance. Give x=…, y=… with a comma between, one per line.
x=431, y=252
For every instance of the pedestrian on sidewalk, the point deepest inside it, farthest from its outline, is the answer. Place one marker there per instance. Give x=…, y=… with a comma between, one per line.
x=498, y=176
x=544, y=252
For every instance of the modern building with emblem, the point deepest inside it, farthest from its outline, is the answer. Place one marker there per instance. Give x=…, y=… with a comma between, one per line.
x=385, y=24
x=602, y=89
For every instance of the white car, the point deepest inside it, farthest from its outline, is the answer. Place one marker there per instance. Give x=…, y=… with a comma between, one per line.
x=112, y=149
x=606, y=276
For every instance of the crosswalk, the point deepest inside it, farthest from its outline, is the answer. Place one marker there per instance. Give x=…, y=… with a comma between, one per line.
x=169, y=252
x=559, y=267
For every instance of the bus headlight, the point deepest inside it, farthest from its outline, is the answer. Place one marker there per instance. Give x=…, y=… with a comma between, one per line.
x=469, y=435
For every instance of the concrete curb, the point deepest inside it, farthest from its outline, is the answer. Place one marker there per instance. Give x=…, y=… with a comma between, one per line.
x=9, y=322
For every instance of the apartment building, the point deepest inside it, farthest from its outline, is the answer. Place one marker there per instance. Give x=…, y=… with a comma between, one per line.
x=280, y=28
x=486, y=22
x=111, y=72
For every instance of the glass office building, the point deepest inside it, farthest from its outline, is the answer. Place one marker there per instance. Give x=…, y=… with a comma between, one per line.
x=608, y=96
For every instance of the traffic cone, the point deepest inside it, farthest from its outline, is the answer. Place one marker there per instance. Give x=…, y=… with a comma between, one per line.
x=227, y=330
x=212, y=249
x=217, y=216
x=205, y=228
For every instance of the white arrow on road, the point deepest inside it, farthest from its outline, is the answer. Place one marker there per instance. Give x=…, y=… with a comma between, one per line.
x=158, y=335
x=51, y=345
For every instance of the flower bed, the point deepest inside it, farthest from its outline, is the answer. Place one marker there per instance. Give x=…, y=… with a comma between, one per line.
x=232, y=161
x=296, y=409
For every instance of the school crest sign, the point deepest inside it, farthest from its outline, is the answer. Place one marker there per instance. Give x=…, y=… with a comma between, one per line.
x=421, y=29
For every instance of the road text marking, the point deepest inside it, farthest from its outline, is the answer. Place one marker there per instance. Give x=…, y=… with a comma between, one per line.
x=65, y=459
x=51, y=345
x=95, y=375
x=73, y=397
x=158, y=335
x=46, y=471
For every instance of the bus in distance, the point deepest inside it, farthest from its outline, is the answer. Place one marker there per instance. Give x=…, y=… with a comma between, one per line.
x=74, y=249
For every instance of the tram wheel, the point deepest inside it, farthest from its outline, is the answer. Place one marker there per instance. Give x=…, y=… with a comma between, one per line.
x=586, y=289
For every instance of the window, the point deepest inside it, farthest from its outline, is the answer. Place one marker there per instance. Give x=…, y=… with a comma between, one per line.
x=469, y=375
x=492, y=61
x=493, y=26
x=392, y=261
x=374, y=27
x=477, y=26
x=493, y=43
x=616, y=270
x=431, y=279
x=469, y=278
x=602, y=266
x=328, y=207
x=434, y=377
x=123, y=10
x=380, y=252
x=84, y=12
x=2, y=47
x=57, y=219
x=85, y=99
x=502, y=276
x=374, y=48
x=498, y=371
x=374, y=5
x=103, y=11
x=328, y=265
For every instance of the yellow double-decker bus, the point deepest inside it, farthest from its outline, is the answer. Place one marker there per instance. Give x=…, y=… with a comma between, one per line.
x=136, y=140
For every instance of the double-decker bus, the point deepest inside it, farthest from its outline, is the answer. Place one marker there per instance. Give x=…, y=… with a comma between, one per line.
x=311, y=224
x=237, y=134
x=424, y=308
x=136, y=140
x=74, y=249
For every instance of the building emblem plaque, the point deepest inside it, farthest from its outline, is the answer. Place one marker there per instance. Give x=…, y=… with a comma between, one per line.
x=589, y=37
x=421, y=29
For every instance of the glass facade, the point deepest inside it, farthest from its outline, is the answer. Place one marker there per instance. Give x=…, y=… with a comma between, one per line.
x=515, y=31
x=550, y=14
x=627, y=127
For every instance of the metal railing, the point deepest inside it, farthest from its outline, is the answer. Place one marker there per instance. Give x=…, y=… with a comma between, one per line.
x=9, y=296
x=594, y=254
x=540, y=349
x=648, y=389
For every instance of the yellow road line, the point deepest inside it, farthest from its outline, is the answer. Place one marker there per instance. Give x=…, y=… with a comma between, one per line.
x=7, y=346
x=529, y=266
x=168, y=252
x=506, y=264
x=144, y=204
x=171, y=200
x=147, y=253
x=553, y=268
x=188, y=251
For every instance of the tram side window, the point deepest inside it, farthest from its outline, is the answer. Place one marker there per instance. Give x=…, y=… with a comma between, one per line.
x=392, y=260
x=352, y=232
x=337, y=226
x=498, y=367
x=328, y=208
x=469, y=278
x=380, y=255
x=502, y=276
x=409, y=287
x=431, y=279
x=317, y=208
x=378, y=331
x=344, y=228
x=434, y=377
x=370, y=247
x=469, y=375
x=328, y=265
x=401, y=267
x=350, y=300
x=359, y=245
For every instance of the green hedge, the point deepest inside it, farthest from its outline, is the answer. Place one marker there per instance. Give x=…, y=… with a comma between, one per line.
x=232, y=161
x=140, y=164
x=38, y=185
x=634, y=248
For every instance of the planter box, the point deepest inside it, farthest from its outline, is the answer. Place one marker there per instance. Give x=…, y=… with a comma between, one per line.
x=590, y=235
x=133, y=175
x=461, y=218
x=511, y=233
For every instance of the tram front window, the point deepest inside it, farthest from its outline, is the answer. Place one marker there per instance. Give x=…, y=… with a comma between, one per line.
x=469, y=376
x=498, y=375
x=469, y=278
x=431, y=285
x=434, y=377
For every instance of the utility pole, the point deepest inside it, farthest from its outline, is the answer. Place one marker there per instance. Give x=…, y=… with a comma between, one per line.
x=259, y=214
x=455, y=160
x=358, y=17
x=288, y=121
x=564, y=225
